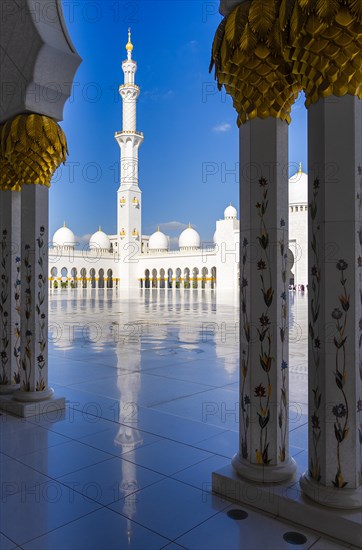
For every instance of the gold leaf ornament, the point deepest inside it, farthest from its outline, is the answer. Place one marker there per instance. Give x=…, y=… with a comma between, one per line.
x=323, y=44
x=262, y=16
x=266, y=51
x=248, y=60
x=32, y=147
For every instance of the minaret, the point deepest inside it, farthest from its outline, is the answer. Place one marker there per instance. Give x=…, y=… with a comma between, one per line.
x=129, y=140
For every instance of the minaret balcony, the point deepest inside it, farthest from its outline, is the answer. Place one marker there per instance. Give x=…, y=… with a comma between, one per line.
x=129, y=133
x=129, y=92
x=128, y=86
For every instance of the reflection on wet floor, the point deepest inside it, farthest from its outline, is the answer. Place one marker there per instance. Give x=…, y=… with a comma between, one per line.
x=172, y=352
x=151, y=382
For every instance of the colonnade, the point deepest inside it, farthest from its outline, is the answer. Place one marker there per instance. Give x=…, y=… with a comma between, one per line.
x=176, y=279
x=264, y=59
x=82, y=278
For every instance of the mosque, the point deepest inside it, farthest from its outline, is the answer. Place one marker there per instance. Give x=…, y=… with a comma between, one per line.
x=302, y=470
x=130, y=259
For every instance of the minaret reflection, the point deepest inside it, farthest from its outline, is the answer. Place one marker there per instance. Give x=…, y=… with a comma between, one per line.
x=128, y=437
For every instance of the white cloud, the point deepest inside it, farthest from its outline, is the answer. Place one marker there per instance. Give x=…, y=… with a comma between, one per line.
x=172, y=226
x=224, y=127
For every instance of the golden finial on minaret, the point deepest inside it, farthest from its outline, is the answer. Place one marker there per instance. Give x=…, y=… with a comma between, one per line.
x=300, y=168
x=129, y=45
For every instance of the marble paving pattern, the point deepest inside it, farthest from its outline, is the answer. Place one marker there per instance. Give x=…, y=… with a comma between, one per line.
x=151, y=382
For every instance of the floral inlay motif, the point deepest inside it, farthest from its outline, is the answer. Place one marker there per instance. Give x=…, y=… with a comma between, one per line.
x=40, y=310
x=245, y=357
x=16, y=350
x=264, y=390
x=29, y=362
x=283, y=408
x=314, y=460
x=340, y=410
x=27, y=359
x=4, y=314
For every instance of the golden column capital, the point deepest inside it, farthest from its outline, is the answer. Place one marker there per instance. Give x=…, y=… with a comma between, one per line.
x=32, y=147
x=322, y=42
x=247, y=54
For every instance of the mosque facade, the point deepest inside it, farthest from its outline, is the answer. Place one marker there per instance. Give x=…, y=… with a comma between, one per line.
x=247, y=47
x=131, y=259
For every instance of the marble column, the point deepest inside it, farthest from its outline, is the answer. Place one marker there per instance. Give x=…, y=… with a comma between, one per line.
x=10, y=202
x=335, y=294
x=34, y=395
x=263, y=454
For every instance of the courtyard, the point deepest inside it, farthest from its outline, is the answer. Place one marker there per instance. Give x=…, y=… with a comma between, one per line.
x=151, y=382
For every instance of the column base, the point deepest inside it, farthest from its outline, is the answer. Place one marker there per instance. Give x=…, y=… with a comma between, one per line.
x=348, y=499
x=287, y=501
x=7, y=389
x=26, y=404
x=33, y=396
x=264, y=474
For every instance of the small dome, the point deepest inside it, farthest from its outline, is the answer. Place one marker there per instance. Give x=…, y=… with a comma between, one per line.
x=230, y=213
x=64, y=237
x=99, y=240
x=298, y=188
x=158, y=241
x=189, y=238
x=215, y=237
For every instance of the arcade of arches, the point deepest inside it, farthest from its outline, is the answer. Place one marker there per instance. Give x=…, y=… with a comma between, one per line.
x=264, y=53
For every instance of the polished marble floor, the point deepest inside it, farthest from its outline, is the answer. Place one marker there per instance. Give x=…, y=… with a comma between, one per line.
x=151, y=382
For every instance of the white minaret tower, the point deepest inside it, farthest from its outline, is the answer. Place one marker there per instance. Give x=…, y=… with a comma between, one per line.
x=129, y=193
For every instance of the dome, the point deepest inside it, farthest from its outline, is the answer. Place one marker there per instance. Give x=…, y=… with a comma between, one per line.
x=189, y=238
x=230, y=213
x=215, y=237
x=158, y=241
x=64, y=237
x=298, y=188
x=99, y=240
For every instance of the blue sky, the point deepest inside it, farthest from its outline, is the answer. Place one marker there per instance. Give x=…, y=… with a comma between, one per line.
x=188, y=161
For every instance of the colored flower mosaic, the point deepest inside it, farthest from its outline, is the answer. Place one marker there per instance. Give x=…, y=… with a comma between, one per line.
x=314, y=331
x=340, y=411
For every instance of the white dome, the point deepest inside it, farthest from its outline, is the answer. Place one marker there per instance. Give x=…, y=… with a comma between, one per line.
x=99, y=240
x=189, y=238
x=64, y=237
x=298, y=188
x=230, y=213
x=158, y=241
x=215, y=237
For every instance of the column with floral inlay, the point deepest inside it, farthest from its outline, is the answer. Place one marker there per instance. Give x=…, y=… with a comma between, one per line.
x=323, y=45
x=10, y=202
x=33, y=146
x=249, y=64
x=335, y=293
